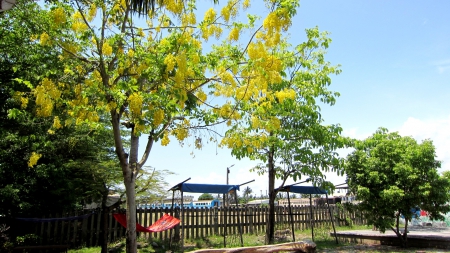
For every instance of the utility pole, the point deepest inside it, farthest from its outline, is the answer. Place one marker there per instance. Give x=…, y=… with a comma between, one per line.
x=226, y=195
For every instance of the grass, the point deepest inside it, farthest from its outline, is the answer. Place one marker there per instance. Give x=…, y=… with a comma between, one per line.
x=324, y=241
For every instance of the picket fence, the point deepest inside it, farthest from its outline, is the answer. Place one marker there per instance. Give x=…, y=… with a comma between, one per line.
x=86, y=231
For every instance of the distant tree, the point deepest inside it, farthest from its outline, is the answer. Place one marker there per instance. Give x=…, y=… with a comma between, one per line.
x=247, y=193
x=446, y=174
x=206, y=196
x=151, y=185
x=391, y=174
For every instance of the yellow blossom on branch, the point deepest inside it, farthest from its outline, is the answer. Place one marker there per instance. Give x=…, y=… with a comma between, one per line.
x=33, y=159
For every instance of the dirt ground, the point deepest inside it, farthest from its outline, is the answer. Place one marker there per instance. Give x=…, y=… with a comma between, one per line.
x=439, y=231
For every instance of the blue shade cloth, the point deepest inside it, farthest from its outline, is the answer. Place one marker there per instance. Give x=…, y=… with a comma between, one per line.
x=305, y=189
x=208, y=188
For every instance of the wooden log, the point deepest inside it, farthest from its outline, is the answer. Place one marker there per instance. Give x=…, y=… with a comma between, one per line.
x=304, y=246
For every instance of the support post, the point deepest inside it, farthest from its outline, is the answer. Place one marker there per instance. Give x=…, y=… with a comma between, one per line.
x=311, y=222
x=291, y=218
x=239, y=218
x=332, y=221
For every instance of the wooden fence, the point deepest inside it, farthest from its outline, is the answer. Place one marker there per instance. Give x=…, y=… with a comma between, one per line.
x=196, y=223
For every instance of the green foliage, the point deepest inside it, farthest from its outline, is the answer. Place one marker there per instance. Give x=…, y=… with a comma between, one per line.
x=206, y=196
x=343, y=209
x=27, y=240
x=72, y=160
x=391, y=174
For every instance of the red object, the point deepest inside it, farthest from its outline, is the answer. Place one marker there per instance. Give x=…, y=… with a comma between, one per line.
x=164, y=223
x=423, y=213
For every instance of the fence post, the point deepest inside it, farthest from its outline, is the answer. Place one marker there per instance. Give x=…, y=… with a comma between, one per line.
x=216, y=220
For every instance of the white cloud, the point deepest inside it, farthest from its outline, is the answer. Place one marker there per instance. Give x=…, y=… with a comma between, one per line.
x=437, y=130
x=442, y=66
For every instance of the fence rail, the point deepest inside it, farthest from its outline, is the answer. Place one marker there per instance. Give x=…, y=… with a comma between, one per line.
x=195, y=223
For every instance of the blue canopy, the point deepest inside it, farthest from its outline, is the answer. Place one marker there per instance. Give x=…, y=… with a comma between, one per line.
x=304, y=189
x=208, y=188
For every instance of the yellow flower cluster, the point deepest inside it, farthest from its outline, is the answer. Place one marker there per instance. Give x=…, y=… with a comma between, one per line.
x=45, y=93
x=188, y=19
x=56, y=123
x=19, y=97
x=274, y=124
x=210, y=15
x=33, y=159
x=79, y=26
x=226, y=111
x=226, y=77
x=23, y=102
x=286, y=93
x=106, y=49
x=174, y=6
x=274, y=23
x=135, y=101
x=234, y=34
x=256, y=123
x=246, y=4
x=92, y=12
x=230, y=10
x=158, y=117
x=59, y=16
x=201, y=96
x=111, y=106
x=140, y=32
x=44, y=39
x=165, y=140
x=180, y=133
x=138, y=128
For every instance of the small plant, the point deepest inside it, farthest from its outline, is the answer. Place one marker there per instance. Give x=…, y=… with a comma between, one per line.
x=344, y=209
x=5, y=244
x=28, y=240
x=323, y=233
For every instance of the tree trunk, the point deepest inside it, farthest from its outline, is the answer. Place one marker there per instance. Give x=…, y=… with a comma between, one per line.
x=130, y=174
x=405, y=235
x=129, y=181
x=104, y=223
x=270, y=229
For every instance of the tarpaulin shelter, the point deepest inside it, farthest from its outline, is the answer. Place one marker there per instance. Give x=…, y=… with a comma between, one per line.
x=208, y=188
x=306, y=190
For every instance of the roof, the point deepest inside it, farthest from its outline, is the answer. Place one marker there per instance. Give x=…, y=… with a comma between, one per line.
x=206, y=188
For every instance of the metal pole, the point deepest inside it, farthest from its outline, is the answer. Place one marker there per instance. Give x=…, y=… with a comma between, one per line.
x=225, y=223
x=171, y=213
x=226, y=194
x=238, y=218
x=182, y=222
x=311, y=217
x=247, y=182
x=291, y=217
x=331, y=217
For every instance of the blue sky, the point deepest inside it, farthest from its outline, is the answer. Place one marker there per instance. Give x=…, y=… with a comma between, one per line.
x=395, y=57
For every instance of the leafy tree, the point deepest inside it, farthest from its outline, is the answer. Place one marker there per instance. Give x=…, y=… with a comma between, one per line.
x=391, y=174
x=247, y=193
x=446, y=174
x=206, y=196
x=151, y=185
x=154, y=79
x=69, y=159
x=283, y=124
